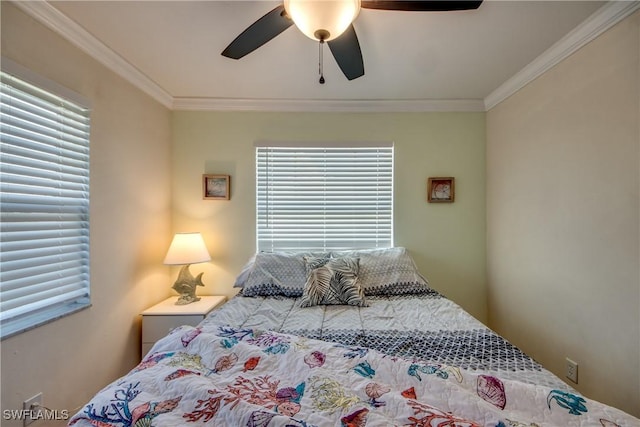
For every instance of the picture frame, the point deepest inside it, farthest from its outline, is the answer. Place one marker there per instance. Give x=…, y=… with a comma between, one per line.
x=216, y=187
x=441, y=189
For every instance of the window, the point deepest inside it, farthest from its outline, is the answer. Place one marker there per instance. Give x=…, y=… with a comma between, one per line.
x=44, y=201
x=324, y=197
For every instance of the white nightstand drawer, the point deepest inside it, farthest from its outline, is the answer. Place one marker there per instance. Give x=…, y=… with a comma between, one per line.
x=156, y=327
x=162, y=318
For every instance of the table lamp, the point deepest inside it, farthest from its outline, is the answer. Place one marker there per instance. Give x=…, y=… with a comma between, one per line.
x=187, y=249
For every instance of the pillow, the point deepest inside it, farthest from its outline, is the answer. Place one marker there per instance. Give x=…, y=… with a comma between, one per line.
x=334, y=282
x=278, y=273
x=313, y=262
x=244, y=273
x=389, y=271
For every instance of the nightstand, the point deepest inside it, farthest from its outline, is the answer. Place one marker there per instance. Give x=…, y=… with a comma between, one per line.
x=160, y=319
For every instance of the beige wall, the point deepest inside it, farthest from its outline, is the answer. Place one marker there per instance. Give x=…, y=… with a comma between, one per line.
x=563, y=217
x=562, y=212
x=72, y=358
x=131, y=196
x=446, y=240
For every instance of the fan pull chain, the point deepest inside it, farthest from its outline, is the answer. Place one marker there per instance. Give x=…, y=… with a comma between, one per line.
x=320, y=62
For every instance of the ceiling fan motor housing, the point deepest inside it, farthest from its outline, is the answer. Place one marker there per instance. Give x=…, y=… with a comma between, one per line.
x=322, y=35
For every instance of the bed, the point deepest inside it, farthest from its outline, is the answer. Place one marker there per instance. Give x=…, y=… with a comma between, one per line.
x=350, y=338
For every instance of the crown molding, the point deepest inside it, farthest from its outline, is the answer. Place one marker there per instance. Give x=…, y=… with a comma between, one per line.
x=601, y=20
x=67, y=28
x=51, y=17
x=329, y=106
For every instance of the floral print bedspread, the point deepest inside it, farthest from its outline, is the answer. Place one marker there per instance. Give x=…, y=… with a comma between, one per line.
x=219, y=375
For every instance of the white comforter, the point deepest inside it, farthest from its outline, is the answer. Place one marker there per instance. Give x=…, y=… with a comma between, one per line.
x=425, y=326
x=223, y=376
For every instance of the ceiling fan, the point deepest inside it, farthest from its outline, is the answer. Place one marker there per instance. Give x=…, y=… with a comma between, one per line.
x=330, y=21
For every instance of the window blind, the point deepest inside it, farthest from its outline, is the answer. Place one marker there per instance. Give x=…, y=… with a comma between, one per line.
x=44, y=206
x=324, y=198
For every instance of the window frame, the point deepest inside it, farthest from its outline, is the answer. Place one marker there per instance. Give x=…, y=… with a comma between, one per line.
x=29, y=296
x=377, y=165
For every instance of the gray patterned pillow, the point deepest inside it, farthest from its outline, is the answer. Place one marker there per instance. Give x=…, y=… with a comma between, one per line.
x=389, y=271
x=245, y=273
x=332, y=281
x=277, y=273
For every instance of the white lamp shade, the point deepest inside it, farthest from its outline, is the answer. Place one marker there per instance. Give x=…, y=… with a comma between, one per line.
x=334, y=16
x=187, y=248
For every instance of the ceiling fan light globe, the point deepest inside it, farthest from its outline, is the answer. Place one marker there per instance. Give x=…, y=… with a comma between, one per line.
x=316, y=17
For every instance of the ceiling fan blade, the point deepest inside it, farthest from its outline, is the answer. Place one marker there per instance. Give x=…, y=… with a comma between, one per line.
x=258, y=33
x=421, y=6
x=347, y=53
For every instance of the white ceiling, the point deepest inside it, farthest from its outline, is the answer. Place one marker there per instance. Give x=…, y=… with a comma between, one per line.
x=466, y=55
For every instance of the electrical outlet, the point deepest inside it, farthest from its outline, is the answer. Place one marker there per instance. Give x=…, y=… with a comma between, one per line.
x=572, y=370
x=31, y=408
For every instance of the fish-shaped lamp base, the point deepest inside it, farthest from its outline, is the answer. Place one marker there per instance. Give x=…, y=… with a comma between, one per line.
x=186, y=285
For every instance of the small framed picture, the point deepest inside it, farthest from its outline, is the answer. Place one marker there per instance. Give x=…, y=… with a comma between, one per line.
x=216, y=187
x=441, y=190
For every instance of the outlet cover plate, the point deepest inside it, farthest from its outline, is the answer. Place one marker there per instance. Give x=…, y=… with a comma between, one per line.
x=572, y=370
x=27, y=405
